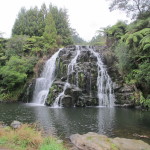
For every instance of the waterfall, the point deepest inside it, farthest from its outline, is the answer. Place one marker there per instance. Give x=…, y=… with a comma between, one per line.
x=104, y=84
x=56, y=102
x=69, y=71
x=104, y=88
x=45, y=81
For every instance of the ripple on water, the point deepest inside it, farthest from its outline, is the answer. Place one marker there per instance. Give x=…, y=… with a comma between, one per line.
x=112, y=122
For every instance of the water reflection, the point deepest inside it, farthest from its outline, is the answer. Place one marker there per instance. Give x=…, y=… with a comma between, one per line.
x=44, y=119
x=66, y=121
x=106, y=118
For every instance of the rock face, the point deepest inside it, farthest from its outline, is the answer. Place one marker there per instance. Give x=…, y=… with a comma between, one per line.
x=94, y=141
x=82, y=79
x=28, y=92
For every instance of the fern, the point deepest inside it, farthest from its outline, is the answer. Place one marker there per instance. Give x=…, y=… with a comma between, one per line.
x=129, y=40
x=135, y=39
x=124, y=37
x=145, y=42
x=145, y=31
x=147, y=46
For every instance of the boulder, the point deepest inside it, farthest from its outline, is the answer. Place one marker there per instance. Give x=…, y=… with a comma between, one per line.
x=94, y=141
x=16, y=124
x=64, y=78
x=67, y=101
x=68, y=91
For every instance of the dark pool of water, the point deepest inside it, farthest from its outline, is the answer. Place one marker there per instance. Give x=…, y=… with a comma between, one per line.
x=63, y=122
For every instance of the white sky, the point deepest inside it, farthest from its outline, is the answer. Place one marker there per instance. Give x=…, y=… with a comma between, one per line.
x=86, y=16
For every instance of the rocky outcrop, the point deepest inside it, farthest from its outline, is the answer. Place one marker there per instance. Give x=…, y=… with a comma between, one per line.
x=82, y=89
x=94, y=141
x=124, y=93
x=27, y=94
x=84, y=78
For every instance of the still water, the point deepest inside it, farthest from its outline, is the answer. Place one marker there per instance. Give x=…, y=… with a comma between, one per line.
x=63, y=122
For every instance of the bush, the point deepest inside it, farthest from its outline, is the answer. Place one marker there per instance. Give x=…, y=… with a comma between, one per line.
x=27, y=138
x=15, y=71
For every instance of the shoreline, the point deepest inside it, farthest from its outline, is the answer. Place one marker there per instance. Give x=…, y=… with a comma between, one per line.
x=127, y=106
x=90, y=140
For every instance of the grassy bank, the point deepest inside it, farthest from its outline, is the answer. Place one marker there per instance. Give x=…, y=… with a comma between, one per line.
x=27, y=138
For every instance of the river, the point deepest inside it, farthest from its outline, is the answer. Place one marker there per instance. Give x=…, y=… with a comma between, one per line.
x=113, y=122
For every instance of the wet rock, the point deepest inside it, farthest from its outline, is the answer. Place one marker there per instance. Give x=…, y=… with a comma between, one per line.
x=16, y=124
x=94, y=141
x=64, y=78
x=58, y=82
x=27, y=93
x=67, y=101
x=126, y=89
x=68, y=91
x=116, y=86
x=76, y=92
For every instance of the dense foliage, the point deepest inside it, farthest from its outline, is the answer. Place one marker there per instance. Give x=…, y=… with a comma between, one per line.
x=130, y=44
x=36, y=33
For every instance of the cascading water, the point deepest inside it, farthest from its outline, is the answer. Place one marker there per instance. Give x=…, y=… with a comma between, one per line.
x=104, y=84
x=45, y=81
x=69, y=71
x=79, y=79
x=56, y=102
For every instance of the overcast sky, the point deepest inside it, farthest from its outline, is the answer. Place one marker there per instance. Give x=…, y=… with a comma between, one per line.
x=86, y=16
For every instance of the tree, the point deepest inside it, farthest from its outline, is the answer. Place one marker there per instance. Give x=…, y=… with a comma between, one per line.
x=2, y=51
x=50, y=33
x=19, y=25
x=41, y=19
x=133, y=7
x=15, y=45
x=62, y=24
x=76, y=38
x=30, y=22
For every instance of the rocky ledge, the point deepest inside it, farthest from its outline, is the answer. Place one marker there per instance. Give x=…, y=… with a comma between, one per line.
x=94, y=141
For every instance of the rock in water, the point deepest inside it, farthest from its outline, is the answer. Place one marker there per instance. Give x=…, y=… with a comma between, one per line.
x=16, y=124
x=94, y=141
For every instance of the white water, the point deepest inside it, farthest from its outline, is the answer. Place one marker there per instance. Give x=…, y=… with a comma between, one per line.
x=45, y=81
x=104, y=84
x=56, y=103
x=69, y=71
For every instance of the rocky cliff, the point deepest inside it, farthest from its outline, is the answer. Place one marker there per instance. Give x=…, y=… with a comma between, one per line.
x=81, y=77
x=76, y=78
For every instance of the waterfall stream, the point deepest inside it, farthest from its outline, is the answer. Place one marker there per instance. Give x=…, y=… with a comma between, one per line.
x=69, y=71
x=45, y=81
x=104, y=84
